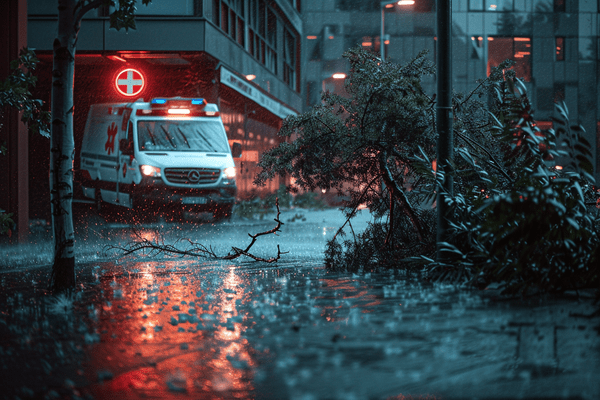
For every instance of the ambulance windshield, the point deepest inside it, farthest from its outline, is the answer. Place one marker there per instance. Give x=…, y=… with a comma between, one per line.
x=182, y=135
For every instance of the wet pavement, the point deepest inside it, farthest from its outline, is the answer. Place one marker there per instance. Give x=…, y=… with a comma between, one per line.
x=142, y=327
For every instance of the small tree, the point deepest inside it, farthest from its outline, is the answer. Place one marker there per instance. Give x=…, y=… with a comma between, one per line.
x=62, y=143
x=15, y=92
x=362, y=146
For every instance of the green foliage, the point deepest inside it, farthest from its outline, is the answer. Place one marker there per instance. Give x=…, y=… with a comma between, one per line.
x=284, y=196
x=361, y=147
x=516, y=219
x=15, y=92
x=529, y=228
x=310, y=201
x=5, y=222
x=123, y=16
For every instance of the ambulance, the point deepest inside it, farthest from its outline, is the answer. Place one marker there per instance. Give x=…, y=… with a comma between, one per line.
x=169, y=153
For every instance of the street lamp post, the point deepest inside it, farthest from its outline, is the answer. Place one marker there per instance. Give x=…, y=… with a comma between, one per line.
x=445, y=144
x=382, y=6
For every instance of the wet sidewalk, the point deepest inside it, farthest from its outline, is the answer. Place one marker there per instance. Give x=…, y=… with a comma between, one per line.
x=143, y=327
x=180, y=329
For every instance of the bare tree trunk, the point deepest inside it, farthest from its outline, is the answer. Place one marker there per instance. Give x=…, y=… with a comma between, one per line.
x=62, y=147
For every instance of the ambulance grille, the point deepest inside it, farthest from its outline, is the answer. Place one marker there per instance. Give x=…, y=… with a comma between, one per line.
x=192, y=176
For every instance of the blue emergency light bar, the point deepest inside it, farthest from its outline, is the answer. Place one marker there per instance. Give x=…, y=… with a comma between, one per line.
x=179, y=101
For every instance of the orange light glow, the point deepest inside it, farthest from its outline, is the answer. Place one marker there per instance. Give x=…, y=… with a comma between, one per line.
x=311, y=37
x=367, y=44
x=178, y=111
x=558, y=167
x=339, y=75
x=330, y=37
x=406, y=2
x=386, y=41
x=522, y=39
x=490, y=39
x=250, y=77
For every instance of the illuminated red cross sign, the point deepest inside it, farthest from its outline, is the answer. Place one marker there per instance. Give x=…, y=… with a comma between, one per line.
x=130, y=82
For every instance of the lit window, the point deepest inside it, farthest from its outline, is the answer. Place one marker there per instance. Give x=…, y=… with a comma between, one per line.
x=517, y=49
x=560, y=49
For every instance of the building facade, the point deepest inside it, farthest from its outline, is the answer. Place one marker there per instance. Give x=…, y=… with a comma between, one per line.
x=555, y=44
x=243, y=55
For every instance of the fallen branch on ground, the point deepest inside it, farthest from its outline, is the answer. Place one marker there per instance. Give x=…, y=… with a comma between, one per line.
x=197, y=249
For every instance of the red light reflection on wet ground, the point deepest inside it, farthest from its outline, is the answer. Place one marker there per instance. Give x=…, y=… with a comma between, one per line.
x=346, y=290
x=169, y=331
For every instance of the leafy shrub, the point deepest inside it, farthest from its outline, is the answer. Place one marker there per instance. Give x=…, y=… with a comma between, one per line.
x=6, y=222
x=534, y=232
x=309, y=200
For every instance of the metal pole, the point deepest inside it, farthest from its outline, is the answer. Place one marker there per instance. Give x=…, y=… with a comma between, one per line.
x=444, y=118
x=381, y=36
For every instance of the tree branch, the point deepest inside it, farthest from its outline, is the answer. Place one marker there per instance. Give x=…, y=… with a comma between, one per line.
x=399, y=194
x=82, y=8
x=358, y=203
x=493, y=162
x=200, y=250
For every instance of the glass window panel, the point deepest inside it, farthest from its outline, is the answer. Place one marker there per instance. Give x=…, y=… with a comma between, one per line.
x=560, y=49
x=517, y=49
x=271, y=28
x=476, y=5
x=499, y=5
x=180, y=135
x=224, y=17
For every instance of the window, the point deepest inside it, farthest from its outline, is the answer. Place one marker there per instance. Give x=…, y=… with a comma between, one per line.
x=295, y=4
x=476, y=5
x=476, y=47
x=289, y=59
x=499, y=5
x=229, y=16
x=491, y=5
x=262, y=34
x=514, y=48
x=560, y=48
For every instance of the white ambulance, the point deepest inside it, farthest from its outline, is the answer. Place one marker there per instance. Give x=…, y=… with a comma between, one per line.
x=166, y=153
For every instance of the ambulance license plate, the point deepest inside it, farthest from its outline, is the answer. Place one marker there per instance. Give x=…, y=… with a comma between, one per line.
x=194, y=200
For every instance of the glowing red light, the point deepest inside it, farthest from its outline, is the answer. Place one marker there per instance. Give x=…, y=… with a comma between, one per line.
x=130, y=82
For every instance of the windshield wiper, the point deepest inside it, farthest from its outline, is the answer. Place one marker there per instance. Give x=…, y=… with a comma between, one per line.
x=168, y=137
x=184, y=137
x=151, y=135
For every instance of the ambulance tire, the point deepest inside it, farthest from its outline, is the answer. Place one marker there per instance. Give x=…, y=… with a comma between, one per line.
x=223, y=212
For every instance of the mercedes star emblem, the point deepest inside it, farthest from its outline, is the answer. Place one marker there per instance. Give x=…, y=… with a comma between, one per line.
x=194, y=175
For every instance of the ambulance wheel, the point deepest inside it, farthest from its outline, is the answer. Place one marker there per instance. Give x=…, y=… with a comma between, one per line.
x=223, y=212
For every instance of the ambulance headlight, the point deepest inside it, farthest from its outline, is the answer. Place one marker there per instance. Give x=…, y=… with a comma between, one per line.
x=149, y=170
x=229, y=173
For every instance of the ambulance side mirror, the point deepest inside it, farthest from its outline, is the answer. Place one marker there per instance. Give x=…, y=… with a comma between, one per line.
x=126, y=147
x=236, y=150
